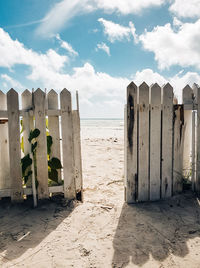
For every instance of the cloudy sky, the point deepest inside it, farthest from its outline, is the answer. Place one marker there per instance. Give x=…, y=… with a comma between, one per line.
x=98, y=47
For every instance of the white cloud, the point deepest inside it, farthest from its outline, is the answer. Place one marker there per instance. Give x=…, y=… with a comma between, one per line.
x=61, y=13
x=186, y=8
x=9, y=82
x=174, y=47
x=13, y=52
x=117, y=32
x=104, y=47
x=66, y=46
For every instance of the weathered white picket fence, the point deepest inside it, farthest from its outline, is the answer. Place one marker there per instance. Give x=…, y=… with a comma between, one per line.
x=64, y=127
x=162, y=141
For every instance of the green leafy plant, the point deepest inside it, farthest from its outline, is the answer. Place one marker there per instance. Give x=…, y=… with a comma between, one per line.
x=54, y=163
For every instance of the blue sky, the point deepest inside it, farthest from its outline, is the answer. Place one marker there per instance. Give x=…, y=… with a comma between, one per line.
x=98, y=47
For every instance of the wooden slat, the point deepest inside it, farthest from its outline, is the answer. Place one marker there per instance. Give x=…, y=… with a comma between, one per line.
x=27, y=124
x=41, y=151
x=197, y=183
x=143, y=173
x=167, y=150
x=155, y=141
x=14, y=145
x=4, y=148
x=187, y=148
x=28, y=191
x=131, y=145
x=193, y=150
x=67, y=145
x=178, y=149
x=53, y=125
x=77, y=152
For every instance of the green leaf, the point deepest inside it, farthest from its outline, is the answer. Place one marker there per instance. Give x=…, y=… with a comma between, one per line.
x=53, y=175
x=26, y=161
x=49, y=144
x=34, y=134
x=33, y=146
x=54, y=163
x=22, y=144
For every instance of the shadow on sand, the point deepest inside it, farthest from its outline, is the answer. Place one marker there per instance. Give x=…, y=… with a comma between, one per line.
x=155, y=229
x=23, y=228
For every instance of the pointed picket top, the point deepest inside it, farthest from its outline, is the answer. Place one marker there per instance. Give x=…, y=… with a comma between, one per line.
x=12, y=92
x=132, y=85
x=143, y=86
x=52, y=97
x=1, y=93
x=195, y=89
x=65, y=92
x=187, y=96
x=26, y=93
x=39, y=92
x=167, y=93
x=155, y=90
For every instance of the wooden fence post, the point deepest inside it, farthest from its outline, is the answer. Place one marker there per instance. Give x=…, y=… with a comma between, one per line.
x=197, y=184
x=187, y=148
x=155, y=141
x=14, y=146
x=131, y=190
x=41, y=151
x=53, y=125
x=67, y=145
x=178, y=149
x=4, y=148
x=77, y=150
x=167, y=131
x=27, y=124
x=143, y=172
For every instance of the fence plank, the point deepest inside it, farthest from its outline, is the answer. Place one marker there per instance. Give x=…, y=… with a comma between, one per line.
x=155, y=141
x=27, y=125
x=143, y=173
x=77, y=153
x=67, y=145
x=131, y=190
x=167, y=150
x=178, y=148
x=41, y=151
x=4, y=148
x=53, y=125
x=197, y=183
x=187, y=148
x=14, y=145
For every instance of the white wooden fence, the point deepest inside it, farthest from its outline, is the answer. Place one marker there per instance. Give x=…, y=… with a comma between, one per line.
x=162, y=141
x=64, y=127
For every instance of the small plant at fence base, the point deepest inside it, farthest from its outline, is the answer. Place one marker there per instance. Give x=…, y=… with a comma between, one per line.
x=54, y=163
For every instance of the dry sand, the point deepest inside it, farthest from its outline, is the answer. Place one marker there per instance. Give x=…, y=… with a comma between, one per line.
x=103, y=231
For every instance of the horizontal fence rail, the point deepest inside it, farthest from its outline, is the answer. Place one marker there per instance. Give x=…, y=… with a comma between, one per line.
x=40, y=111
x=162, y=141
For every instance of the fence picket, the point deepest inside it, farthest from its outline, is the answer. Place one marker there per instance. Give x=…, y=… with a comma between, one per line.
x=187, y=148
x=143, y=171
x=167, y=127
x=197, y=183
x=67, y=144
x=14, y=145
x=131, y=144
x=27, y=125
x=178, y=149
x=155, y=141
x=4, y=148
x=53, y=125
x=41, y=151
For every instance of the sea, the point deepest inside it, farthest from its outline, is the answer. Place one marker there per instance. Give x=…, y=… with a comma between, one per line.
x=102, y=128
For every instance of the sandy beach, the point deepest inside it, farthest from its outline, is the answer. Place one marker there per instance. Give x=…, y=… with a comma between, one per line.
x=102, y=231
